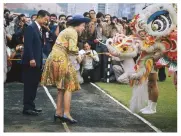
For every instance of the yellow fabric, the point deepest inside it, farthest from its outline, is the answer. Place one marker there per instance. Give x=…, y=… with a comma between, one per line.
x=68, y=38
x=58, y=69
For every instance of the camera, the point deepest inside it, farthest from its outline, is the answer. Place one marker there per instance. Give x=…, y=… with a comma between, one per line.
x=6, y=15
x=7, y=21
x=98, y=21
x=88, y=53
x=105, y=20
x=62, y=22
x=52, y=21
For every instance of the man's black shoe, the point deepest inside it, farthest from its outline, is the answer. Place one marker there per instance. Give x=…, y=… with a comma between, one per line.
x=30, y=112
x=38, y=110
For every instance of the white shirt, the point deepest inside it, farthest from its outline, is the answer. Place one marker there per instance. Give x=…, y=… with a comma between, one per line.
x=87, y=60
x=39, y=27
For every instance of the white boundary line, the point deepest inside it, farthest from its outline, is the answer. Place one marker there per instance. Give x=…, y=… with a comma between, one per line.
x=50, y=97
x=142, y=119
x=55, y=106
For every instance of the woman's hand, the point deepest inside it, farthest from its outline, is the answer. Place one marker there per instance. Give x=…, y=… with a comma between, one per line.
x=108, y=54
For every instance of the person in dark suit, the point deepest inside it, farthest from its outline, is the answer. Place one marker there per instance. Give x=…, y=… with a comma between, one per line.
x=32, y=61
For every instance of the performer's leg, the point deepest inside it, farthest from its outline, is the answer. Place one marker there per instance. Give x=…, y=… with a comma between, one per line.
x=59, y=102
x=153, y=94
x=154, y=87
x=149, y=99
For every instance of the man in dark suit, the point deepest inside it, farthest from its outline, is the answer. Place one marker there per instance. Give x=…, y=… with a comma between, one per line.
x=32, y=61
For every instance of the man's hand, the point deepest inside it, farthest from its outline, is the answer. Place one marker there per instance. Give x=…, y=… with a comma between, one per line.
x=32, y=63
x=46, y=27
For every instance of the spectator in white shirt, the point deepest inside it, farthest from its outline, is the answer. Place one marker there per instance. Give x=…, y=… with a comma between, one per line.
x=88, y=56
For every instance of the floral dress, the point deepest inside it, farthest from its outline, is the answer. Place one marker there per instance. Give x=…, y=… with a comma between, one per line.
x=58, y=69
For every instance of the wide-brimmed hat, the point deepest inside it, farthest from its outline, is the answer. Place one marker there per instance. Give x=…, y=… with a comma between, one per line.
x=78, y=19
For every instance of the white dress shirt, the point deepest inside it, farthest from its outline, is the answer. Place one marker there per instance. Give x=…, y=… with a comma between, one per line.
x=87, y=60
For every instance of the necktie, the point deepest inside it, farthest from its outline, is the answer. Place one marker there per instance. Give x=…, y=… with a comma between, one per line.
x=41, y=32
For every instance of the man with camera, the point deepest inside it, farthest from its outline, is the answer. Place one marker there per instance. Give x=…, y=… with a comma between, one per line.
x=20, y=22
x=61, y=24
x=116, y=26
x=89, y=33
x=100, y=48
x=49, y=29
x=17, y=45
x=6, y=16
x=53, y=23
x=9, y=23
x=111, y=27
x=10, y=51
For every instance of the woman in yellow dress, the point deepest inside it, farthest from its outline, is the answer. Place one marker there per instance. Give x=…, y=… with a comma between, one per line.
x=58, y=70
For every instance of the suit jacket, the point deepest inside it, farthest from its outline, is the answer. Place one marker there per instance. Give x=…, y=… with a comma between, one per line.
x=33, y=44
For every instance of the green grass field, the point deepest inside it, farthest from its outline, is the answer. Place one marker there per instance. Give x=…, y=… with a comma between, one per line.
x=166, y=117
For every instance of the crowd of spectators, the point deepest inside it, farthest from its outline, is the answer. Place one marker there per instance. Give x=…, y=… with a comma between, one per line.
x=100, y=28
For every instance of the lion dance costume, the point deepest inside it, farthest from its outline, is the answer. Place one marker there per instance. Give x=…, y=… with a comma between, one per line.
x=155, y=39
